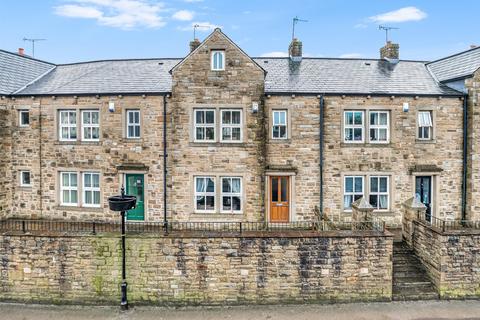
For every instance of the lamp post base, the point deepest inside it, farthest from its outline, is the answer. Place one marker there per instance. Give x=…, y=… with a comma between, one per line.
x=124, y=302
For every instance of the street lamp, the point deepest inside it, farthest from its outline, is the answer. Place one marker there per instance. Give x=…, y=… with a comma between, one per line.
x=123, y=203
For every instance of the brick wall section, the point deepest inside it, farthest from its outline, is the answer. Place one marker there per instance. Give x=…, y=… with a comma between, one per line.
x=451, y=259
x=473, y=171
x=196, y=86
x=106, y=156
x=186, y=270
x=5, y=159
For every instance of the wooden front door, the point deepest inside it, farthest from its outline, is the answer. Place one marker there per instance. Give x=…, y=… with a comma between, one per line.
x=279, y=199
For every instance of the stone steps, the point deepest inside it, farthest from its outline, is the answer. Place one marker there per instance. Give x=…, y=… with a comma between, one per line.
x=410, y=280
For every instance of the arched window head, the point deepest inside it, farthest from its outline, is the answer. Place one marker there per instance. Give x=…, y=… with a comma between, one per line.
x=218, y=60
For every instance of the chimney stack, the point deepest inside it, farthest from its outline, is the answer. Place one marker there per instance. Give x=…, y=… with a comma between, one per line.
x=295, y=50
x=390, y=52
x=21, y=51
x=194, y=44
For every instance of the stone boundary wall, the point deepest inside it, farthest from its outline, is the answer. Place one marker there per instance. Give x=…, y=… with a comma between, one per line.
x=452, y=260
x=182, y=270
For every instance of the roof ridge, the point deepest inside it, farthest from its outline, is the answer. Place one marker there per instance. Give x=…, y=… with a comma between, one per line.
x=338, y=58
x=115, y=60
x=27, y=57
x=454, y=55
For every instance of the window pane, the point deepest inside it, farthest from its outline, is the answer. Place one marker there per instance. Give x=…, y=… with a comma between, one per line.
x=73, y=117
x=210, y=203
x=226, y=186
x=66, y=196
x=131, y=132
x=283, y=119
x=347, y=201
x=200, y=185
x=373, y=135
x=64, y=133
x=199, y=117
x=200, y=203
x=349, y=118
x=236, y=185
x=95, y=133
x=236, y=117
x=383, y=184
x=137, y=116
x=88, y=180
x=274, y=189
x=137, y=131
x=210, y=185
x=382, y=134
x=276, y=118
x=96, y=180
x=374, y=184
x=374, y=201
x=358, y=184
x=86, y=117
x=226, y=117
x=357, y=134
x=373, y=118
x=209, y=133
x=96, y=197
x=88, y=197
x=73, y=133
x=349, y=184
x=130, y=117
x=95, y=117
x=284, y=189
x=283, y=131
x=209, y=116
x=358, y=118
x=25, y=119
x=276, y=132
x=226, y=203
x=383, y=204
x=236, y=203
x=65, y=179
x=73, y=195
x=236, y=133
x=226, y=133
x=63, y=117
x=73, y=179
x=200, y=133
x=383, y=118
x=348, y=134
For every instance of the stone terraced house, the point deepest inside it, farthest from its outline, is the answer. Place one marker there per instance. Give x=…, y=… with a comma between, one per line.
x=221, y=136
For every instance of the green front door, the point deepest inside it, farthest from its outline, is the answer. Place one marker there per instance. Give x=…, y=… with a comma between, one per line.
x=135, y=187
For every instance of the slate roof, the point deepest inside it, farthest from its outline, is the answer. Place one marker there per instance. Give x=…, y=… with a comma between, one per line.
x=350, y=76
x=110, y=76
x=17, y=71
x=457, y=66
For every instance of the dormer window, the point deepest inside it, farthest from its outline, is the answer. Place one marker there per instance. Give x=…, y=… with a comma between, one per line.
x=218, y=60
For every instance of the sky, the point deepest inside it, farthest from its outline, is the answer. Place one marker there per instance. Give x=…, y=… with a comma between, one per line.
x=83, y=30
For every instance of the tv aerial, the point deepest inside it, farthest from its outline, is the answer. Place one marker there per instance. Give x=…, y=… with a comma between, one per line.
x=386, y=29
x=295, y=21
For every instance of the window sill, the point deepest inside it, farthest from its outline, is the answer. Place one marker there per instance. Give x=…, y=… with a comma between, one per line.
x=25, y=187
x=365, y=145
x=419, y=141
x=375, y=212
x=271, y=140
x=73, y=208
x=77, y=143
x=217, y=144
x=217, y=214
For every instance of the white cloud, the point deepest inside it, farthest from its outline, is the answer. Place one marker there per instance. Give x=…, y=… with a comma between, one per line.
x=183, y=15
x=275, y=54
x=351, y=55
x=124, y=14
x=400, y=15
x=202, y=26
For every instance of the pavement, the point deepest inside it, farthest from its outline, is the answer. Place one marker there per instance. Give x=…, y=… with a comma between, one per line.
x=420, y=310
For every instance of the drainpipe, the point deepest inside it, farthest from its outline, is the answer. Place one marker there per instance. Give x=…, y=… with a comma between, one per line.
x=322, y=103
x=465, y=154
x=165, y=221
x=40, y=184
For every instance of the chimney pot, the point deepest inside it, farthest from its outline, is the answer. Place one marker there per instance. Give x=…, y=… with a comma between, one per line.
x=194, y=44
x=390, y=52
x=295, y=50
x=21, y=51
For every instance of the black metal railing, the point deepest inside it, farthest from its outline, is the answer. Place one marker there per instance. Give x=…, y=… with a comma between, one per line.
x=449, y=225
x=29, y=226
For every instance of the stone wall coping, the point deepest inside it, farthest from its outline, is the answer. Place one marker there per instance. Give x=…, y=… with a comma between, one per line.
x=362, y=205
x=414, y=203
x=196, y=234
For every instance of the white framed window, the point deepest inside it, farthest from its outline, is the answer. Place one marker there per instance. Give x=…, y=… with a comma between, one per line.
x=90, y=125
x=353, y=126
x=25, y=179
x=231, y=125
x=353, y=189
x=425, y=125
x=204, y=120
x=68, y=188
x=231, y=194
x=379, y=126
x=205, y=194
x=218, y=60
x=379, y=192
x=24, y=118
x=91, y=189
x=279, y=124
x=133, y=124
x=67, y=125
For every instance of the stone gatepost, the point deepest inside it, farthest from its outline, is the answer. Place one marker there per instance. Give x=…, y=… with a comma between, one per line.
x=412, y=208
x=361, y=214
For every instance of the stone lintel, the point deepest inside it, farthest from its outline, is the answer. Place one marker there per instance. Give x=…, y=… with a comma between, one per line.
x=425, y=168
x=132, y=167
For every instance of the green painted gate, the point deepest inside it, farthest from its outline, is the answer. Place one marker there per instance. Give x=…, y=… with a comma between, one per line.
x=136, y=187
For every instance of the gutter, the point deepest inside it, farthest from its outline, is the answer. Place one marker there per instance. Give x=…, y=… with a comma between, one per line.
x=465, y=154
x=165, y=221
x=356, y=94
x=321, y=131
